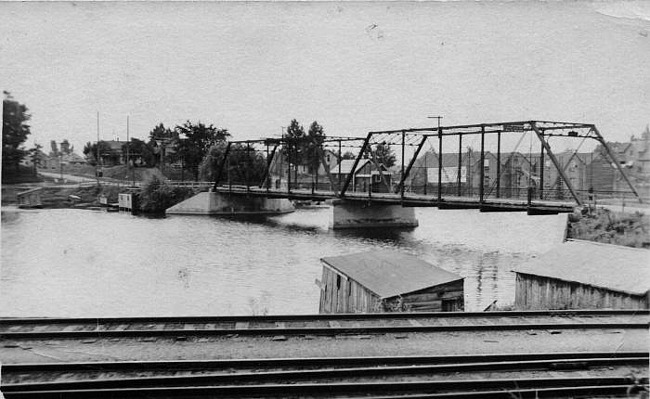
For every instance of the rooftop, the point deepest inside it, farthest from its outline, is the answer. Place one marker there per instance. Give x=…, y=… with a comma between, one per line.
x=612, y=267
x=389, y=273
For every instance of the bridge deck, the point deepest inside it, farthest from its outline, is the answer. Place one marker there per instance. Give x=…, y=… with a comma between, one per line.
x=409, y=200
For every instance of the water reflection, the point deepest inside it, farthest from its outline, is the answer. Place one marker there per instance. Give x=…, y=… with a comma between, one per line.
x=82, y=263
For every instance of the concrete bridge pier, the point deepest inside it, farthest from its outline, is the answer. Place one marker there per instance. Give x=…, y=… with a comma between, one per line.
x=214, y=203
x=357, y=214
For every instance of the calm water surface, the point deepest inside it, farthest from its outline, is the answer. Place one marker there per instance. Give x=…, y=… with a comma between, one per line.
x=80, y=263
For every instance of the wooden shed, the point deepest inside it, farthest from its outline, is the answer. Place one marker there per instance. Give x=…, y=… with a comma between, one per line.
x=386, y=281
x=584, y=275
x=30, y=198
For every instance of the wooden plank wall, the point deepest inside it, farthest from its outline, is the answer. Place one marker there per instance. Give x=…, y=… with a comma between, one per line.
x=431, y=299
x=340, y=294
x=540, y=293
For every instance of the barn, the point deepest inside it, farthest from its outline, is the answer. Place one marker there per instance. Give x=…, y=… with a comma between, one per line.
x=386, y=281
x=584, y=275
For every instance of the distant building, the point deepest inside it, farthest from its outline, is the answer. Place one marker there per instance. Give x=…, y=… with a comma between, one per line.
x=366, y=176
x=385, y=281
x=584, y=275
x=462, y=175
x=111, y=152
x=30, y=198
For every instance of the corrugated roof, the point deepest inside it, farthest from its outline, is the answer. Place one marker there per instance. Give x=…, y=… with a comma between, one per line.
x=388, y=273
x=612, y=267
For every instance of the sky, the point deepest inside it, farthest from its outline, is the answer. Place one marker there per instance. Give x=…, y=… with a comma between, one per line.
x=251, y=67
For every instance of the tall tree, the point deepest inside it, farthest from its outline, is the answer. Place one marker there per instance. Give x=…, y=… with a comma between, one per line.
x=35, y=154
x=315, y=137
x=14, y=131
x=54, y=149
x=294, y=151
x=194, y=142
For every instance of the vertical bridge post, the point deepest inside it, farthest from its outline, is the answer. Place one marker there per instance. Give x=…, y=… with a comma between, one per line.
x=220, y=170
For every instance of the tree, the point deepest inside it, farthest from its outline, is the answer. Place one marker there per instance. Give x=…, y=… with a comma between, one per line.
x=384, y=155
x=315, y=137
x=294, y=150
x=159, y=138
x=14, y=131
x=139, y=149
x=348, y=155
x=90, y=151
x=66, y=148
x=35, y=154
x=245, y=165
x=55, y=149
x=197, y=141
x=211, y=162
x=161, y=132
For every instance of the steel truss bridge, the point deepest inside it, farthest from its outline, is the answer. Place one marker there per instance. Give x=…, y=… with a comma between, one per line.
x=496, y=176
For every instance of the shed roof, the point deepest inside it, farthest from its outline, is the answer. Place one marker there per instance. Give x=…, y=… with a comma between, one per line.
x=388, y=273
x=612, y=267
x=31, y=190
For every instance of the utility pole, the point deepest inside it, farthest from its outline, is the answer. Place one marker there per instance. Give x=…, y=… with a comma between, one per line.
x=98, y=169
x=128, y=165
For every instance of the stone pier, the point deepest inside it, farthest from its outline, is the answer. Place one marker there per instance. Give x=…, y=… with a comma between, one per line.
x=214, y=203
x=349, y=214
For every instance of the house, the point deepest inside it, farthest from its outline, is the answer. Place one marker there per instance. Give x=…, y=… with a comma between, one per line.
x=365, y=177
x=111, y=152
x=516, y=173
x=387, y=281
x=584, y=275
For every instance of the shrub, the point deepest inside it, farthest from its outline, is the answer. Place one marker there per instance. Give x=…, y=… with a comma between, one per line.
x=156, y=196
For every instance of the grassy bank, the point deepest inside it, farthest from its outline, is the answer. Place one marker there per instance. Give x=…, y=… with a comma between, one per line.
x=603, y=225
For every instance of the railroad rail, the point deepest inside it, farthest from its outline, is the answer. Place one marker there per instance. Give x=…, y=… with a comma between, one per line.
x=335, y=324
x=411, y=376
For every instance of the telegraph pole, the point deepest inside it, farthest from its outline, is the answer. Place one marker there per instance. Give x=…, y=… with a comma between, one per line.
x=97, y=167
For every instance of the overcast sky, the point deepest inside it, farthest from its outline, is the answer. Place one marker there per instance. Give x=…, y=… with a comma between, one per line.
x=353, y=67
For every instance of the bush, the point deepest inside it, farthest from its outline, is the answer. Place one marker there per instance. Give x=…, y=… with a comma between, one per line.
x=630, y=230
x=156, y=196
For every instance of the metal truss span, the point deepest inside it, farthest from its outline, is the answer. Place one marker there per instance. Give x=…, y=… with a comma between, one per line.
x=462, y=166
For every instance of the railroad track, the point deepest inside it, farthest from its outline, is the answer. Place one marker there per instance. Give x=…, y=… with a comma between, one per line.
x=512, y=375
x=372, y=323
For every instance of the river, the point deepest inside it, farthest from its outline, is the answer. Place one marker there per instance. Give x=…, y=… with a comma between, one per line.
x=81, y=263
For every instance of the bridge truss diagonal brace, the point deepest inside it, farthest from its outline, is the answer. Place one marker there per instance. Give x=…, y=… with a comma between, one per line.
x=559, y=168
x=366, y=142
x=321, y=158
x=600, y=139
x=400, y=186
x=267, y=172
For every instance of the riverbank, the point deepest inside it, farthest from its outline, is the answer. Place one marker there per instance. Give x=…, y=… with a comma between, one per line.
x=607, y=226
x=57, y=197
